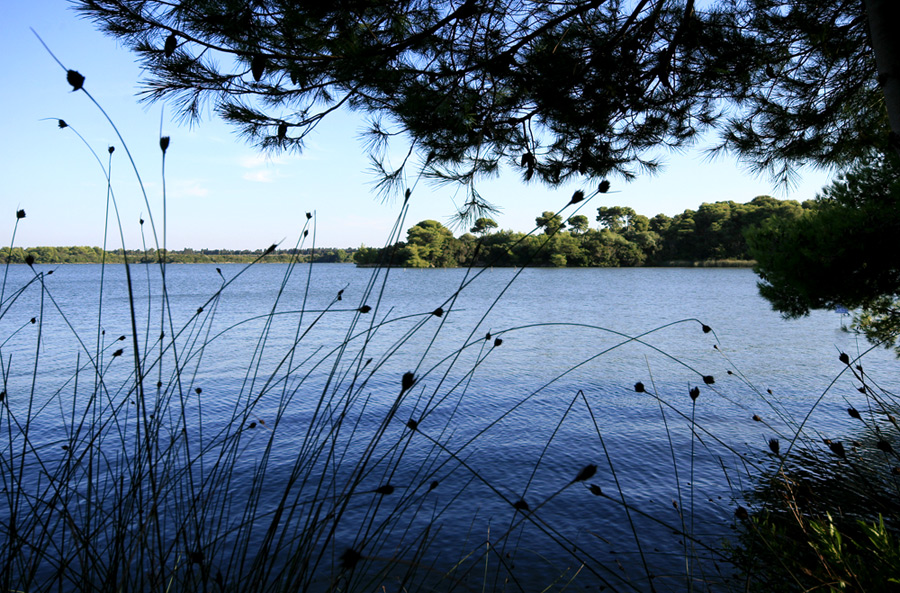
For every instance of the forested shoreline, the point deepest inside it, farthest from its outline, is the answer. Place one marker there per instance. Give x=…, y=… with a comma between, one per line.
x=713, y=235
x=95, y=255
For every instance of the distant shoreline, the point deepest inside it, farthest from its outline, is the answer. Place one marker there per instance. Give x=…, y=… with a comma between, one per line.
x=80, y=254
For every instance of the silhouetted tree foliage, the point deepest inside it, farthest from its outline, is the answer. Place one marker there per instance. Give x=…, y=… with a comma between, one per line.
x=842, y=251
x=558, y=90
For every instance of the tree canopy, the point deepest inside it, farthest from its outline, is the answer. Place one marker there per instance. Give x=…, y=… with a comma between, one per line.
x=559, y=90
x=840, y=252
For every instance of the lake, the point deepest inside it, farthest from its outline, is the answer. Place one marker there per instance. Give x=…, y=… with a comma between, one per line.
x=283, y=427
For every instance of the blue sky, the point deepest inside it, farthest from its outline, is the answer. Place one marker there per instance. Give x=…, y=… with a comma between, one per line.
x=221, y=193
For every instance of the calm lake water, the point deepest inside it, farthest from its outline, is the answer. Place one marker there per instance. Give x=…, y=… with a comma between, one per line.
x=496, y=425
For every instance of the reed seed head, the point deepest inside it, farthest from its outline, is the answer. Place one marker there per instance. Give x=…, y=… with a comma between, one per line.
x=340, y=294
x=885, y=446
x=2, y=395
x=270, y=249
x=521, y=505
x=774, y=446
x=694, y=393
x=756, y=418
x=487, y=336
x=305, y=233
x=741, y=513
x=497, y=342
x=141, y=221
x=603, y=187
x=577, y=197
x=198, y=391
x=20, y=214
x=433, y=485
x=350, y=558
x=639, y=387
x=439, y=312
x=853, y=413
x=844, y=358
x=708, y=379
x=75, y=79
x=164, y=144
x=29, y=259
x=407, y=381
x=706, y=329
x=118, y=352
x=595, y=490
x=196, y=557
x=412, y=424
x=33, y=320
x=384, y=490
x=199, y=310
x=252, y=425
x=364, y=309
x=308, y=215
x=838, y=449
x=62, y=124
x=586, y=473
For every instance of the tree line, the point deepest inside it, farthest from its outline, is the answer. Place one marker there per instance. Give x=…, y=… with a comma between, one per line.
x=712, y=233
x=95, y=255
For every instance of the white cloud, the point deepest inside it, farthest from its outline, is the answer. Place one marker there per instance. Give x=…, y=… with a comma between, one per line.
x=267, y=168
x=255, y=161
x=189, y=188
x=261, y=176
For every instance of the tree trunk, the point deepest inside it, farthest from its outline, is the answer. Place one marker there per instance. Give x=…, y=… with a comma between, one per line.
x=884, y=20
